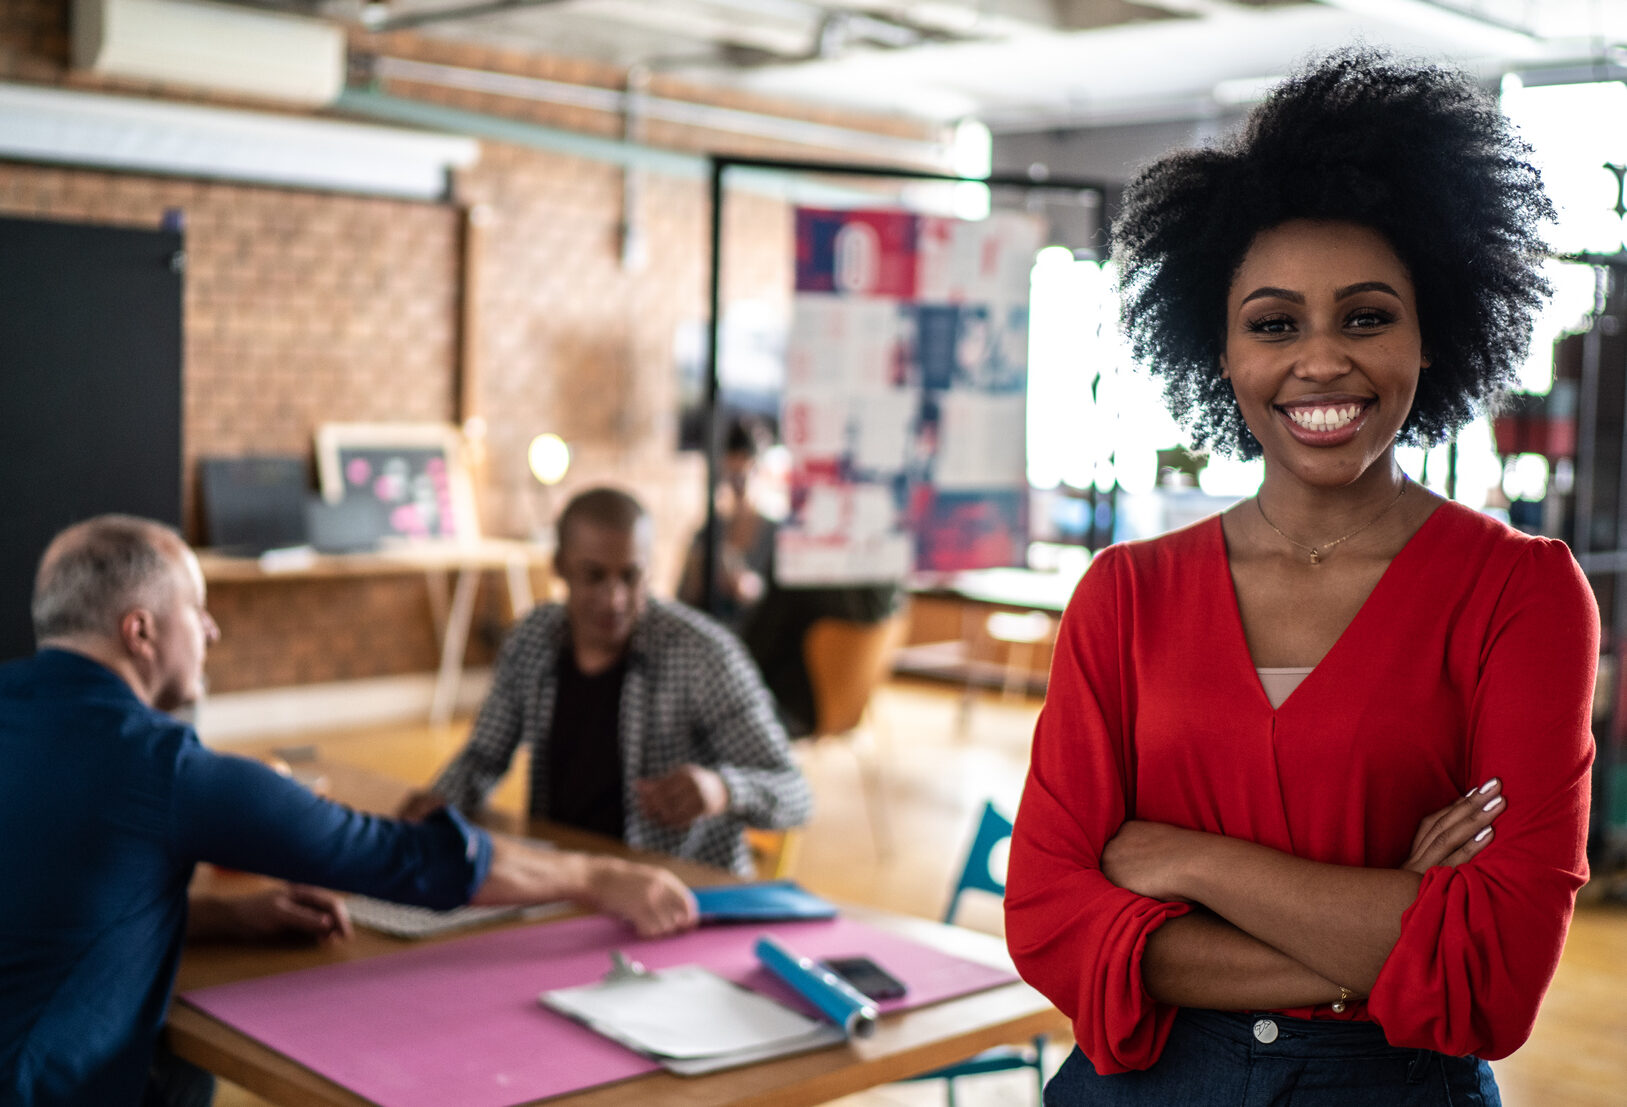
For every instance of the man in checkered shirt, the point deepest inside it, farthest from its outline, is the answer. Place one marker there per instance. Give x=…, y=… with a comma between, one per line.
x=645, y=720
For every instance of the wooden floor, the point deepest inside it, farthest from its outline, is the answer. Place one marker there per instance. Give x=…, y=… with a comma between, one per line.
x=937, y=776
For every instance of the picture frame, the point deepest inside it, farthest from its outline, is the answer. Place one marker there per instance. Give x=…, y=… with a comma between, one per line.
x=412, y=476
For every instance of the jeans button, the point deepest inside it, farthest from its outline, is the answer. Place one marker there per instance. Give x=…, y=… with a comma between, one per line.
x=1265, y=1031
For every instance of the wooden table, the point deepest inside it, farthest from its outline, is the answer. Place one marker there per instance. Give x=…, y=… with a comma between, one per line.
x=955, y=634
x=904, y=1044
x=435, y=560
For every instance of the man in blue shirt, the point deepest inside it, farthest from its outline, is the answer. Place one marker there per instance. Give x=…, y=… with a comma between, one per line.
x=107, y=801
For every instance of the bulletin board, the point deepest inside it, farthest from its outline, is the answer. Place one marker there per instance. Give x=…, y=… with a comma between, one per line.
x=413, y=472
x=905, y=398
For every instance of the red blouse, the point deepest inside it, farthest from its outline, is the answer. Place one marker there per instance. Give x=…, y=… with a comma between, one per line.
x=1472, y=658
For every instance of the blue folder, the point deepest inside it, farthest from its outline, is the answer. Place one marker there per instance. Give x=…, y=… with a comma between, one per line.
x=764, y=901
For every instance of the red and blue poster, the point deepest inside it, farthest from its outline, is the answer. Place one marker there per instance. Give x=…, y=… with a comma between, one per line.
x=860, y=253
x=904, y=406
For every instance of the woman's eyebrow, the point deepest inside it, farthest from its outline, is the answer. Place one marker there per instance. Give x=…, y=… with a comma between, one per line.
x=1364, y=286
x=1268, y=292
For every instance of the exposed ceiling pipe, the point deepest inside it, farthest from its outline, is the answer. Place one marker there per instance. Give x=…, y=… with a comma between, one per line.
x=1475, y=30
x=375, y=16
x=630, y=231
x=827, y=30
x=887, y=148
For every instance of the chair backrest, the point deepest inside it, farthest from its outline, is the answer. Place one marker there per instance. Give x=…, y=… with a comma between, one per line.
x=846, y=662
x=773, y=852
x=992, y=829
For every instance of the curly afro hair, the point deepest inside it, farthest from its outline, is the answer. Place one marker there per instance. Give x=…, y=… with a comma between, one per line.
x=1417, y=153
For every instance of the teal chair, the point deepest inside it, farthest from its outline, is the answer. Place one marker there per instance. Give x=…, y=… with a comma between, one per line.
x=992, y=829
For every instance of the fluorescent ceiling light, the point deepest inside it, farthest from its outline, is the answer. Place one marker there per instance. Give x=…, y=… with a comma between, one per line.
x=147, y=136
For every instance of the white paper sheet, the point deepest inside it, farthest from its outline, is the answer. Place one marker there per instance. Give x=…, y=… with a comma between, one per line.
x=983, y=444
x=684, y=1012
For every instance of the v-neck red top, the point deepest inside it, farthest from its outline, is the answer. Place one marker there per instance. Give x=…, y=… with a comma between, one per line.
x=1472, y=658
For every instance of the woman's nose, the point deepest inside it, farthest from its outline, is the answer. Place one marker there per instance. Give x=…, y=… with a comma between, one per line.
x=1321, y=357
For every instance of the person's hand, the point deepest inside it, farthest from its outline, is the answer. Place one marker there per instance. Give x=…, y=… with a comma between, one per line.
x=652, y=899
x=420, y=805
x=1146, y=858
x=1457, y=831
x=291, y=911
x=687, y=793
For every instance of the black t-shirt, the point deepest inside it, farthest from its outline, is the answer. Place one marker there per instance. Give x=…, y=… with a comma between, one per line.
x=584, y=749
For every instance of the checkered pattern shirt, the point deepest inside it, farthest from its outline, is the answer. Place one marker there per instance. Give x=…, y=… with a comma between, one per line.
x=691, y=696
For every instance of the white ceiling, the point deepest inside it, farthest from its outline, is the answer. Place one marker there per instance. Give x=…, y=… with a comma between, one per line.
x=1017, y=65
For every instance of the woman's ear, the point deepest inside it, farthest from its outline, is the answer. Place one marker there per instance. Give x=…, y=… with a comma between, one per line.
x=1225, y=372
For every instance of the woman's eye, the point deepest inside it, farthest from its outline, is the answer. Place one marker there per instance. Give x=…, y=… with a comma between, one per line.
x=1368, y=318
x=1270, y=324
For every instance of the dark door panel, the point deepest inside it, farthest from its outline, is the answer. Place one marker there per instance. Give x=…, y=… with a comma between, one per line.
x=90, y=389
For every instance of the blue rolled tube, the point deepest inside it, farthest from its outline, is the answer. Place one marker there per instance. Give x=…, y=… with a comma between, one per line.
x=834, y=997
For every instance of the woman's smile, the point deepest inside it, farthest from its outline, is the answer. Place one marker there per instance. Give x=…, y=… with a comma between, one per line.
x=1325, y=422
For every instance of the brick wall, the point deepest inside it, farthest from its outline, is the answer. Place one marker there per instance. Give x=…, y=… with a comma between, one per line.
x=304, y=307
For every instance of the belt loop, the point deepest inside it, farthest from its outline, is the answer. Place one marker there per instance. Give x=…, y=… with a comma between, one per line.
x=1415, y=1069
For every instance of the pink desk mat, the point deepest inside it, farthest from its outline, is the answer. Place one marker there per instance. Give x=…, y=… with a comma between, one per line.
x=458, y=1022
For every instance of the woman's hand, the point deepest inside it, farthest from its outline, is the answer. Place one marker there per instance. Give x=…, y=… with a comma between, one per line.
x=1147, y=858
x=1458, y=831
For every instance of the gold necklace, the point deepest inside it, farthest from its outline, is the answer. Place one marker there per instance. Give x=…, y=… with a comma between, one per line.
x=1319, y=552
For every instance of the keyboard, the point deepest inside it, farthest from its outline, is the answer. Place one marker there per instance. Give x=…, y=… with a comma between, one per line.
x=403, y=921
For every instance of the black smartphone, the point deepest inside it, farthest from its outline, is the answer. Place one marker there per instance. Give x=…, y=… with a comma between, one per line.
x=866, y=976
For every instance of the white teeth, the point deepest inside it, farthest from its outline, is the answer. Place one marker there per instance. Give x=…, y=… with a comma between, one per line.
x=1324, y=418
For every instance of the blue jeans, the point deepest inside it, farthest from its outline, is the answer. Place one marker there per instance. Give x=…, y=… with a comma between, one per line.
x=1226, y=1059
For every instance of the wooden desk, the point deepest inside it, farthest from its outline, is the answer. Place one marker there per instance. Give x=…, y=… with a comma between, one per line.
x=904, y=1044
x=436, y=560
x=1013, y=589
x=949, y=628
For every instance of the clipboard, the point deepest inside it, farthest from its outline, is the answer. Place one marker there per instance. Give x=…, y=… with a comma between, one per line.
x=692, y=1021
x=688, y=1018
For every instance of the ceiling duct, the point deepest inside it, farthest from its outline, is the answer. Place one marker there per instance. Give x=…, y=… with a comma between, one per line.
x=215, y=47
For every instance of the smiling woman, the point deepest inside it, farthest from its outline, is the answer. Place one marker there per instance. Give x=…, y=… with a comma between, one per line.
x=1322, y=758
x=1422, y=157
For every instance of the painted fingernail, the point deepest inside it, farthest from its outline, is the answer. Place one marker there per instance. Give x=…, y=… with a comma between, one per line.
x=1483, y=835
x=1492, y=806
x=1488, y=786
